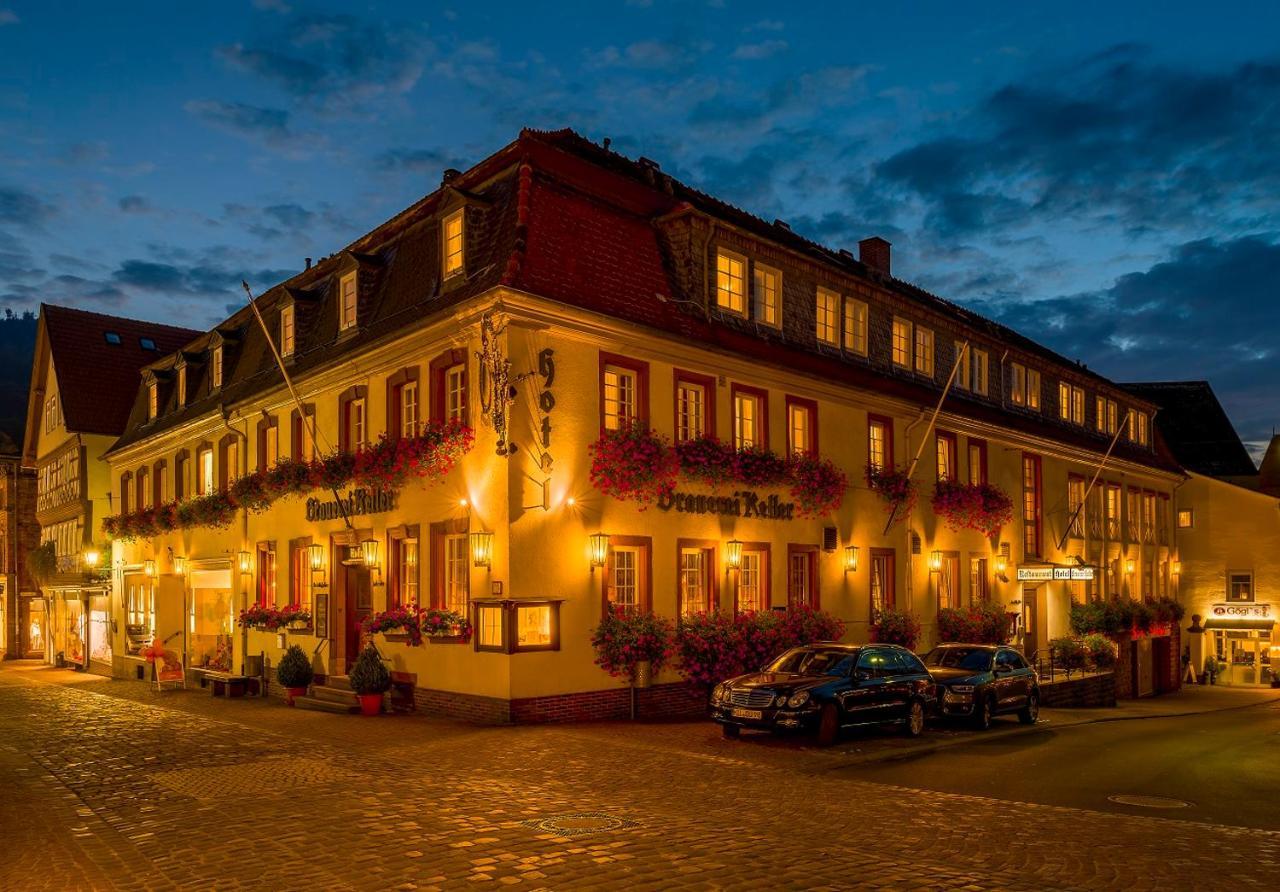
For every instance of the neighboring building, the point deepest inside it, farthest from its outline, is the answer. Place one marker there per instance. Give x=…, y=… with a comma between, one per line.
x=622, y=296
x=1228, y=532
x=21, y=635
x=83, y=378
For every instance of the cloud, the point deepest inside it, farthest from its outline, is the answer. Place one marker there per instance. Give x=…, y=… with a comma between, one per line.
x=1114, y=138
x=8, y=17
x=24, y=209
x=270, y=125
x=135, y=204
x=334, y=62
x=199, y=280
x=762, y=50
x=651, y=55
x=1204, y=311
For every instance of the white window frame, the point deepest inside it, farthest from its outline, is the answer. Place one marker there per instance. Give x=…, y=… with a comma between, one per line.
x=767, y=283
x=348, y=301
x=901, y=342
x=727, y=299
x=453, y=253
x=826, y=316
x=741, y=421
x=621, y=396
x=691, y=410
x=455, y=388
x=924, y=343
x=409, y=407
x=964, y=359
x=855, y=326
x=981, y=372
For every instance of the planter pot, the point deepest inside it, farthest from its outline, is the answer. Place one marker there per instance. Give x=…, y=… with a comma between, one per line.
x=299, y=626
x=370, y=704
x=445, y=639
x=293, y=693
x=642, y=675
x=396, y=637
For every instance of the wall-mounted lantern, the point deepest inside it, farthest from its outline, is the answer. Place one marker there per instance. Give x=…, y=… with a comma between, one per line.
x=246, y=562
x=369, y=553
x=180, y=564
x=599, y=549
x=733, y=554
x=1175, y=567
x=850, y=558
x=149, y=569
x=935, y=561
x=92, y=558
x=482, y=548
x=315, y=557
x=1130, y=565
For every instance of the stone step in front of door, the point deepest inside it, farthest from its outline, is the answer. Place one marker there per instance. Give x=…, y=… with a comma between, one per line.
x=333, y=695
x=318, y=705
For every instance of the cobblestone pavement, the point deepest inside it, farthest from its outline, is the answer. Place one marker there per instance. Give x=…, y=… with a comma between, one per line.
x=108, y=785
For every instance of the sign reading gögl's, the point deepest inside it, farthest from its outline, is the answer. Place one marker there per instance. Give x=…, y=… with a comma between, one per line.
x=742, y=503
x=354, y=503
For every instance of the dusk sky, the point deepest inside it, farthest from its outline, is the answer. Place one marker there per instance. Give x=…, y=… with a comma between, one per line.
x=1102, y=177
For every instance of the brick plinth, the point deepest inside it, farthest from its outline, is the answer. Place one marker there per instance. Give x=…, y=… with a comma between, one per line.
x=1089, y=691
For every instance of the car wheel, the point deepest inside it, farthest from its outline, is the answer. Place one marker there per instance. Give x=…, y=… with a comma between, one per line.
x=828, y=725
x=982, y=712
x=731, y=732
x=1031, y=711
x=914, y=725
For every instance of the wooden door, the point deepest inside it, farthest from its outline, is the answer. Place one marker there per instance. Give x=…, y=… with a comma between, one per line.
x=1030, y=628
x=358, y=604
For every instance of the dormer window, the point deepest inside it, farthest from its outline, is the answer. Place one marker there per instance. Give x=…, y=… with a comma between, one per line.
x=287, y=321
x=731, y=282
x=182, y=385
x=347, y=294
x=153, y=400
x=452, y=248
x=215, y=368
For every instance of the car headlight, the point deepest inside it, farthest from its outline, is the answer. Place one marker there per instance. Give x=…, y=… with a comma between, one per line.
x=798, y=700
x=962, y=689
x=781, y=700
x=719, y=693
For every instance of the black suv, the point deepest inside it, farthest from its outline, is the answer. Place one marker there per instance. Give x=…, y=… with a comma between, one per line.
x=979, y=681
x=826, y=687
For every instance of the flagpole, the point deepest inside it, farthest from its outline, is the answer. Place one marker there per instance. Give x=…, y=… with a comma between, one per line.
x=1128, y=419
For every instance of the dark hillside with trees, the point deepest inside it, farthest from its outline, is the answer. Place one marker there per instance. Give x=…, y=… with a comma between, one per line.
x=17, y=345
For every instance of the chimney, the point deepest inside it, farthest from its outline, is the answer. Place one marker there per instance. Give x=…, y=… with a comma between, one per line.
x=874, y=252
x=450, y=174
x=308, y=263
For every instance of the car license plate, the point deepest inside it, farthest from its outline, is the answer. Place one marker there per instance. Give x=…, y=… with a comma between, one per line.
x=739, y=713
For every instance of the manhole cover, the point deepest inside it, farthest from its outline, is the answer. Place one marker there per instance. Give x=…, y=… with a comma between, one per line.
x=1148, y=801
x=579, y=824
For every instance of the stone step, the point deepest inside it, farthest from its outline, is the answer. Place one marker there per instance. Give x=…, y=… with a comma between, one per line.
x=341, y=682
x=318, y=705
x=333, y=695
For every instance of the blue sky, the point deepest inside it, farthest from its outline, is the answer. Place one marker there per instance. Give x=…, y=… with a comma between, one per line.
x=1101, y=176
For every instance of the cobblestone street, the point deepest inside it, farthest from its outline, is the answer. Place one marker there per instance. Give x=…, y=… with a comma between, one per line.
x=107, y=785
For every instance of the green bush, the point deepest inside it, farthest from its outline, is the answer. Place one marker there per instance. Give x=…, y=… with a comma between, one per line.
x=985, y=623
x=368, y=675
x=1069, y=653
x=896, y=627
x=294, y=670
x=1103, y=652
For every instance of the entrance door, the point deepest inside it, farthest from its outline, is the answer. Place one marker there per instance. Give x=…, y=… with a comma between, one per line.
x=1030, y=624
x=32, y=626
x=358, y=603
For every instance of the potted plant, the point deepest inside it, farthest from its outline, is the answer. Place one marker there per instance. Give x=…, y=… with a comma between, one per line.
x=294, y=673
x=1211, y=668
x=632, y=645
x=370, y=680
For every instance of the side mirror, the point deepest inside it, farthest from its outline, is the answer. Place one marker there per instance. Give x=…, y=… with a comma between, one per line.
x=861, y=674
x=1003, y=668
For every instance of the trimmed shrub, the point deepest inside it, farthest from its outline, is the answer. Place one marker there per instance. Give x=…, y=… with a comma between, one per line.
x=368, y=675
x=294, y=669
x=1103, y=652
x=1069, y=653
x=985, y=623
x=896, y=627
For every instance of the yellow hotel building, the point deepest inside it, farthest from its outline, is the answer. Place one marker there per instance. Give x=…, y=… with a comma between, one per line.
x=557, y=289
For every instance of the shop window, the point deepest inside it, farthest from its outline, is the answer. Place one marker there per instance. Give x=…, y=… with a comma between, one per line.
x=696, y=573
x=826, y=311
x=1031, y=506
x=300, y=578
x=140, y=611
x=452, y=245
x=267, y=574
x=883, y=581
x=490, y=631
x=731, y=282
x=947, y=459
x=753, y=578
x=695, y=405
x=449, y=398
x=1240, y=585
x=768, y=295
x=451, y=566
x=516, y=626
x=802, y=575
x=855, y=326
x=879, y=443
x=628, y=576
x=802, y=426
x=977, y=462
x=750, y=417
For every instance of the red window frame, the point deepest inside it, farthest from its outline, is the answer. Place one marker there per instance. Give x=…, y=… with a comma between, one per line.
x=641, y=369
x=981, y=447
x=395, y=401
x=812, y=407
x=439, y=369
x=678, y=377
x=810, y=553
x=947, y=440
x=762, y=396
x=887, y=422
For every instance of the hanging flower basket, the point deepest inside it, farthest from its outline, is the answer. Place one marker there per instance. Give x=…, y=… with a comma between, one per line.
x=972, y=506
x=895, y=487
x=817, y=485
x=633, y=464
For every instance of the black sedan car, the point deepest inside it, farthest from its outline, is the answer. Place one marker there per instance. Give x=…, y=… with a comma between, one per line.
x=826, y=687
x=979, y=681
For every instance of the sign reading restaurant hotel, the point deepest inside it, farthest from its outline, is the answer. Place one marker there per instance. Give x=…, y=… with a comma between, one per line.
x=354, y=503
x=1050, y=574
x=743, y=503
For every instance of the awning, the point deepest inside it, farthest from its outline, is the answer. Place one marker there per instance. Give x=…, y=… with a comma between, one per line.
x=1215, y=623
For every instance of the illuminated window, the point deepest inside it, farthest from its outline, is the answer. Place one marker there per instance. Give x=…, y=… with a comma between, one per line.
x=627, y=585
x=407, y=569
x=1240, y=585
x=695, y=573
x=879, y=443
x=267, y=574
x=1138, y=432
x=946, y=446
x=1112, y=508
x=979, y=583
x=457, y=576
x=1075, y=506
x=455, y=383
x=348, y=293
x=924, y=351
x=752, y=579
x=947, y=579
x=1025, y=388
x=964, y=361
x=1186, y=518
x=977, y=462
x=620, y=398
x=489, y=632
x=1033, y=390
x=409, y=409
x=230, y=462
x=980, y=372
x=882, y=581
x=453, y=244
x=1107, y=417
x=534, y=626
x=1070, y=403
x=748, y=420
x=304, y=444
x=182, y=385
x=731, y=283
x=691, y=410
x=300, y=572
x=901, y=343
x=287, y=320
x=800, y=427
x=153, y=401
x=1031, y=505
x=768, y=285
x=215, y=370
x=826, y=309
x=855, y=326
x=354, y=424
x=204, y=470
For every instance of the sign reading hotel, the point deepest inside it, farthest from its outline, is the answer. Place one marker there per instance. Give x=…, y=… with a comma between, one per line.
x=743, y=503
x=354, y=503
x=1051, y=574
x=1241, y=611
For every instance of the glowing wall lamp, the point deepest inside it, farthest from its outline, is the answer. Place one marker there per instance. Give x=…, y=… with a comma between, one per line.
x=180, y=564
x=315, y=557
x=149, y=569
x=1129, y=566
x=482, y=548
x=1175, y=567
x=92, y=558
x=850, y=558
x=369, y=553
x=935, y=561
x=733, y=554
x=245, y=562
x=599, y=549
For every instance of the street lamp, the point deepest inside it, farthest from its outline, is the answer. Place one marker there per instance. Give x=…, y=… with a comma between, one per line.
x=369, y=552
x=149, y=568
x=180, y=564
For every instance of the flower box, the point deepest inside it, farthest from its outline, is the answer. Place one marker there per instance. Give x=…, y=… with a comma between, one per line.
x=393, y=637
x=459, y=638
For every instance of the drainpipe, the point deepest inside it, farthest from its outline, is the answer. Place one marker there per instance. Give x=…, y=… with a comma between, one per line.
x=910, y=587
x=242, y=461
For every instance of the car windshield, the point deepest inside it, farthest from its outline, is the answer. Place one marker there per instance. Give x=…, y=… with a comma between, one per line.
x=974, y=659
x=812, y=661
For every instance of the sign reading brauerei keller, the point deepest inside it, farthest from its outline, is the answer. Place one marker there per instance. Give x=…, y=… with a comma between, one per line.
x=742, y=503
x=354, y=503
x=1051, y=574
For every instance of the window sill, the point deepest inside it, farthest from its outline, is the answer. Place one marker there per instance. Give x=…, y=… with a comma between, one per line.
x=445, y=639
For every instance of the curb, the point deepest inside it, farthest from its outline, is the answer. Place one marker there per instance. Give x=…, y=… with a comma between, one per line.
x=984, y=737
